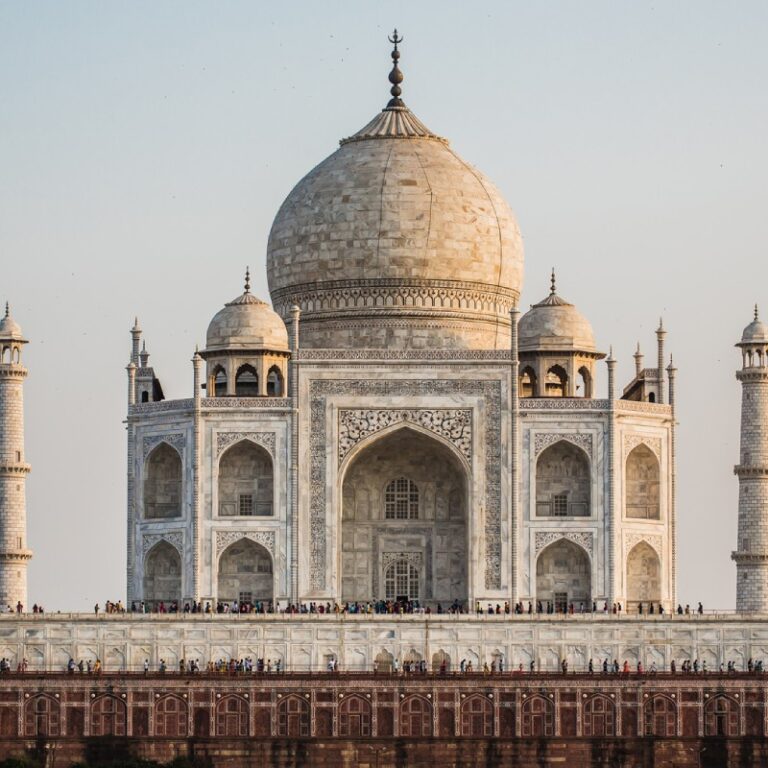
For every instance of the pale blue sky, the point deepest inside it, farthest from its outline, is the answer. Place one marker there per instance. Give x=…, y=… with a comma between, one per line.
x=145, y=148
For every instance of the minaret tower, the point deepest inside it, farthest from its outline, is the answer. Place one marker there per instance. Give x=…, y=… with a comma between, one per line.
x=13, y=469
x=751, y=555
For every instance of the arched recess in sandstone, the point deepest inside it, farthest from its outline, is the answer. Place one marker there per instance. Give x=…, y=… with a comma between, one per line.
x=477, y=716
x=563, y=576
x=171, y=717
x=245, y=573
x=643, y=576
x=162, y=483
x=162, y=573
x=354, y=717
x=42, y=716
x=643, y=483
x=246, y=481
x=563, y=481
x=432, y=539
x=108, y=716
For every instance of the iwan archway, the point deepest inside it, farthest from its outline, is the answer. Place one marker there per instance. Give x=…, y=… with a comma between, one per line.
x=404, y=521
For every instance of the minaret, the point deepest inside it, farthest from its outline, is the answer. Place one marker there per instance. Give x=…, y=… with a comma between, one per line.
x=13, y=469
x=751, y=554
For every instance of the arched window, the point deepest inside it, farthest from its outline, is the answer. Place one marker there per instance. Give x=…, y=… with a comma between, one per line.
x=293, y=717
x=354, y=717
x=401, y=579
x=643, y=575
x=721, y=717
x=171, y=717
x=651, y=397
x=219, y=382
x=274, y=382
x=415, y=717
x=563, y=576
x=537, y=717
x=643, y=484
x=528, y=383
x=162, y=483
x=245, y=573
x=232, y=716
x=585, y=387
x=401, y=500
x=660, y=717
x=599, y=717
x=144, y=396
x=246, y=382
x=42, y=716
x=563, y=481
x=107, y=716
x=246, y=487
x=556, y=382
x=162, y=573
x=477, y=717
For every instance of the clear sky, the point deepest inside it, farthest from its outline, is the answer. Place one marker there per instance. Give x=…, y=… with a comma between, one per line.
x=145, y=148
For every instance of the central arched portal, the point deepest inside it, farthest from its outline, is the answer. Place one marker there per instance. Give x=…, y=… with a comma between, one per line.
x=404, y=521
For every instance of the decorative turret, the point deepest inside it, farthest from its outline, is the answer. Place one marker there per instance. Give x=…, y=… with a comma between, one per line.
x=557, y=349
x=14, y=554
x=751, y=555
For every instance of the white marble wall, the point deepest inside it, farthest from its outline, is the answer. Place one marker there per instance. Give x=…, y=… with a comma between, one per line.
x=301, y=642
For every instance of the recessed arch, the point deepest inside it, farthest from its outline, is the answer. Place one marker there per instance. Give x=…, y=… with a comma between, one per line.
x=477, y=716
x=721, y=716
x=162, y=573
x=564, y=575
x=585, y=378
x=218, y=382
x=245, y=573
x=660, y=715
x=529, y=383
x=432, y=538
x=275, y=384
x=108, y=716
x=293, y=717
x=42, y=716
x=246, y=481
x=246, y=381
x=643, y=484
x=232, y=716
x=643, y=575
x=563, y=481
x=598, y=716
x=556, y=382
x=415, y=717
x=537, y=717
x=354, y=717
x=171, y=714
x=162, y=482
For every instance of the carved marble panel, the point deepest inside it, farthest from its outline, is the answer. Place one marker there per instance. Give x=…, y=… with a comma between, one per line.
x=543, y=539
x=225, y=538
x=542, y=440
x=415, y=558
x=174, y=538
x=652, y=539
x=454, y=424
x=264, y=439
x=632, y=441
x=175, y=440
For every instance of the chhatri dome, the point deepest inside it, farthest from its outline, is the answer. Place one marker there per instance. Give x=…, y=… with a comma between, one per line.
x=756, y=332
x=246, y=323
x=395, y=241
x=555, y=324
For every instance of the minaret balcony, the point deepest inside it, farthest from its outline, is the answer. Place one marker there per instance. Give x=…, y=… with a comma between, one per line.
x=14, y=468
x=749, y=557
x=751, y=470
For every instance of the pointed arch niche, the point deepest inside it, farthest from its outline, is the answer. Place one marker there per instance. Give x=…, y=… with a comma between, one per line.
x=162, y=483
x=404, y=509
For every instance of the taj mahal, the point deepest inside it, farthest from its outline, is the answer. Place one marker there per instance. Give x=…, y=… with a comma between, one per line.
x=394, y=426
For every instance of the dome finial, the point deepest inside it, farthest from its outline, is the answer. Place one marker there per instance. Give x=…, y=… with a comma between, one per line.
x=552, y=289
x=8, y=309
x=247, y=279
x=395, y=76
x=756, y=315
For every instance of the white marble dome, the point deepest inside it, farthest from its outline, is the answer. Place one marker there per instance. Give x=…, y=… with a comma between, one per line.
x=756, y=332
x=394, y=240
x=9, y=328
x=555, y=325
x=246, y=323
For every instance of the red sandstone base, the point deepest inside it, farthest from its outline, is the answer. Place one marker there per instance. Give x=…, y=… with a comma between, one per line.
x=378, y=721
